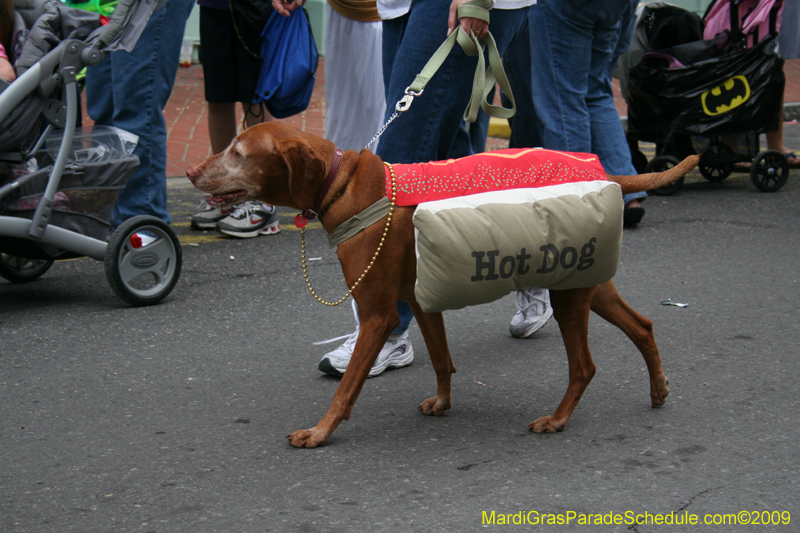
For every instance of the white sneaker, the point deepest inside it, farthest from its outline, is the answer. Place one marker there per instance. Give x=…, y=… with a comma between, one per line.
x=208, y=217
x=534, y=311
x=251, y=219
x=396, y=353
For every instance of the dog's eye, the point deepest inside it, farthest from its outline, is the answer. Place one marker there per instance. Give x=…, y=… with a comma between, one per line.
x=234, y=149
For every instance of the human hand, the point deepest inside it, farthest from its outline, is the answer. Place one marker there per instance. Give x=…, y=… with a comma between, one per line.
x=285, y=7
x=477, y=26
x=7, y=70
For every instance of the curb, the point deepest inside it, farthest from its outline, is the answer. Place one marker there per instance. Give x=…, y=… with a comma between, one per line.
x=791, y=111
x=498, y=127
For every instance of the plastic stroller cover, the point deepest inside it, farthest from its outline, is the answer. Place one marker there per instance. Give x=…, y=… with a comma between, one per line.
x=658, y=25
x=735, y=93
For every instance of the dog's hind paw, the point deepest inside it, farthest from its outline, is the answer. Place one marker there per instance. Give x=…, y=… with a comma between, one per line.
x=546, y=424
x=434, y=406
x=305, y=438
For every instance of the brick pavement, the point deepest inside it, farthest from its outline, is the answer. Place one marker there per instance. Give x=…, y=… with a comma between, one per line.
x=187, y=122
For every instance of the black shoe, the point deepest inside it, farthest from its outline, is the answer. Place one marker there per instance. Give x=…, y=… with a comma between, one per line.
x=632, y=215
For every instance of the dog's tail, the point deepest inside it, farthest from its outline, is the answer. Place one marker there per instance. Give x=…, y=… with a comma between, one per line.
x=654, y=180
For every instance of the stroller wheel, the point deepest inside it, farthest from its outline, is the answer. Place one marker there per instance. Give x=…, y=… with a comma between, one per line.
x=769, y=171
x=21, y=269
x=660, y=164
x=716, y=162
x=143, y=260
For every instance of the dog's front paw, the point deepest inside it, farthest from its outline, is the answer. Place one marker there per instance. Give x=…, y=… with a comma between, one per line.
x=547, y=424
x=434, y=406
x=659, y=391
x=306, y=438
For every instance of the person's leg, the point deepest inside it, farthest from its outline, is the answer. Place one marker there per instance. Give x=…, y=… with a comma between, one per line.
x=221, y=125
x=562, y=40
x=99, y=93
x=570, y=78
x=775, y=142
x=231, y=75
x=431, y=129
x=339, y=62
x=141, y=83
x=526, y=128
x=559, y=57
x=426, y=131
x=354, y=95
x=608, y=135
x=406, y=315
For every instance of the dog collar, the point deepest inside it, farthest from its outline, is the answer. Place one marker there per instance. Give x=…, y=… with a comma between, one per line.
x=310, y=214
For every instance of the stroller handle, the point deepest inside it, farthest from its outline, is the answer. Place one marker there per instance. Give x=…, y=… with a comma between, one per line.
x=124, y=14
x=116, y=23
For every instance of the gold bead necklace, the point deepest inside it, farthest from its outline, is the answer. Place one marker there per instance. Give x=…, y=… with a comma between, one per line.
x=374, y=257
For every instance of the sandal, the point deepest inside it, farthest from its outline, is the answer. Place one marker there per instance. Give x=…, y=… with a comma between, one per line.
x=792, y=159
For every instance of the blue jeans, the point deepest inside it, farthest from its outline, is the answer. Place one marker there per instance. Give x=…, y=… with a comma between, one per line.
x=526, y=128
x=575, y=42
x=129, y=91
x=432, y=128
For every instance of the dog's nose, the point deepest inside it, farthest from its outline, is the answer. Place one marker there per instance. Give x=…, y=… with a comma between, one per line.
x=192, y=173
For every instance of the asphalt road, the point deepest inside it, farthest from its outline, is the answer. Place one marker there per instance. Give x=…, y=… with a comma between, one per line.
x=172, y=418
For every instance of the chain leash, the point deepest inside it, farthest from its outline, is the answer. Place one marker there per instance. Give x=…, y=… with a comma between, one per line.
x=402, y=105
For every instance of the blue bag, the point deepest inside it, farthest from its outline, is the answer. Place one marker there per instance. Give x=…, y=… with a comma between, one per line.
x=290, y=62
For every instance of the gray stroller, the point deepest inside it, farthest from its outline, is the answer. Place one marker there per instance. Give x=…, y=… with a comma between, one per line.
x=58, y=183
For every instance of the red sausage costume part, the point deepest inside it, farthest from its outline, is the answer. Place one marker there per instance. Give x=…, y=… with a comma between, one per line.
x=491, y=171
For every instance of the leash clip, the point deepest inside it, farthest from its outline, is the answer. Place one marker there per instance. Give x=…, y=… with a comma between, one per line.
x=405, y=101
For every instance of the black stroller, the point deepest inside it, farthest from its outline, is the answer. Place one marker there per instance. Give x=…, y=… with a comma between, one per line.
x=58, y=183
x=714, y=96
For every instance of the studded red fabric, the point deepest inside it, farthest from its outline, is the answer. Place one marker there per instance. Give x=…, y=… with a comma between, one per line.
x=491, y=171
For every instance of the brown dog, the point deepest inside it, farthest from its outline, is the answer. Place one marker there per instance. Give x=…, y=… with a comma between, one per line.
x=281, y=165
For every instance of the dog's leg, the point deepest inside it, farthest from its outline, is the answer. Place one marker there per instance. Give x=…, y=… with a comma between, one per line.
x=372, y=335
x=571, y=310
x=609, y=305
x=432, y=326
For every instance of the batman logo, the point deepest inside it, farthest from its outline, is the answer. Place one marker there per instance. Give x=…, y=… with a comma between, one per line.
x=731, y=94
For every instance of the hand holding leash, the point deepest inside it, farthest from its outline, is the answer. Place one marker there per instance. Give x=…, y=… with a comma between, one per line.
x=469, y=22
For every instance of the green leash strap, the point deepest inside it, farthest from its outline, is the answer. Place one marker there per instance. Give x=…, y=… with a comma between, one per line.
x=484, y=79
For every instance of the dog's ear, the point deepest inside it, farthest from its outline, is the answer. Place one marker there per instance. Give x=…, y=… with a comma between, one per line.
x=306, y=168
